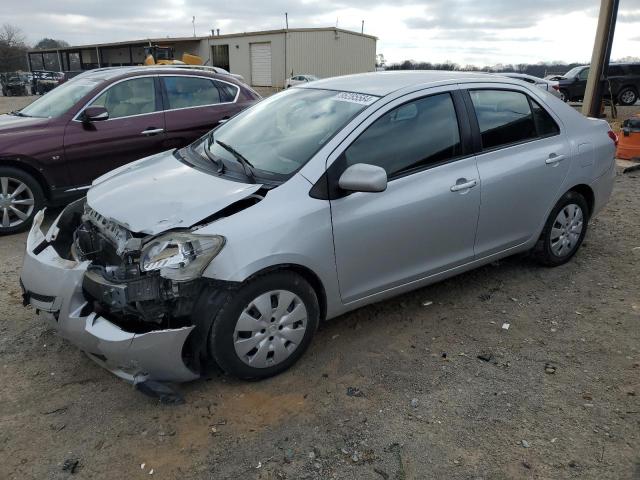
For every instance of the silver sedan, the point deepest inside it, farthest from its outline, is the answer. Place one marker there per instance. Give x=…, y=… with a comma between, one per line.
x=314, y=202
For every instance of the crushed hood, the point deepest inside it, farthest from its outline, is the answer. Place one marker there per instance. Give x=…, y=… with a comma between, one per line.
x=160, y=192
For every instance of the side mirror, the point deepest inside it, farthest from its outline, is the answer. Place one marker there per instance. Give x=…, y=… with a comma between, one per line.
x=626, y=131
x=95, y=114
x=363, y=177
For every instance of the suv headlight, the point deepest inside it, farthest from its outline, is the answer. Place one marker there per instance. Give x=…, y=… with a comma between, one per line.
x=180, y=256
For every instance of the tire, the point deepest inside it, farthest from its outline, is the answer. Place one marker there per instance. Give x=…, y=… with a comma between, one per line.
x=564, y=95
x=627, y=96
x=560, y=240
x=248, y=349
x=16, y=213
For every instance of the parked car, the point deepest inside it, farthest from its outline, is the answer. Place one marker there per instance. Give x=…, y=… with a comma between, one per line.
x=51, y=150
x=44, y=81
x=299, y=79
x=548, y=85
x=15, y=84
x=316, y=201
x=623, y=83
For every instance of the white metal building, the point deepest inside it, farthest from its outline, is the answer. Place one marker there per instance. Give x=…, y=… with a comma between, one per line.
x=264, y=59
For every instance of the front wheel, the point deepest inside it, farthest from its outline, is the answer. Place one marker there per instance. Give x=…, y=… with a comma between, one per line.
x=564, y=231
x=265, y=326
x=20, y=198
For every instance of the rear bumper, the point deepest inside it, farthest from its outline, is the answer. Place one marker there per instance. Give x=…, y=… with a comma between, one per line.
x=602, y=188
x=53, y=286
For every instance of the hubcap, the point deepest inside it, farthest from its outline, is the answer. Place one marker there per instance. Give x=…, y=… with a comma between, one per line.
x=16, y=202
x=566, y=230
x=270, y=328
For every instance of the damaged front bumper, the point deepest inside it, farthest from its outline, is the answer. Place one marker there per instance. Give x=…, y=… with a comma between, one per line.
x=54, y=287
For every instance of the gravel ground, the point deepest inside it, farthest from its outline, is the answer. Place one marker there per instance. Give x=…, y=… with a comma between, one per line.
x=392, y=391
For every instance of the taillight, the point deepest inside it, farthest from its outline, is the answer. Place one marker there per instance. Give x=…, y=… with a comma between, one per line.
x=556, y=87
x=613, y=136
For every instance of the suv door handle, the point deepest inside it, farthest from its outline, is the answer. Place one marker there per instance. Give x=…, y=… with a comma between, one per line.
x=553, y=158
x=465, y=185
x=152, y=131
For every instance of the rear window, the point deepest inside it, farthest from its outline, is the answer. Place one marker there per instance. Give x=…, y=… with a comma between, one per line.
x=508, y=117
x=184, y=92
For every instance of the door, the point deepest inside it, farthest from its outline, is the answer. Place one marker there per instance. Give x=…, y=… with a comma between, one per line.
x=425, y=222
x=195, y=105
x=261, y=64
x=523, y=164
x=579, y=87
x=135, y=129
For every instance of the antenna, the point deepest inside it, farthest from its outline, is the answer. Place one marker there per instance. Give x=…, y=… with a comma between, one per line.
x=286, y=19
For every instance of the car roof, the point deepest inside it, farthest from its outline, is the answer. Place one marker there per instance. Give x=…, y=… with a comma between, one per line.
x=111, y=73
x=384, y=83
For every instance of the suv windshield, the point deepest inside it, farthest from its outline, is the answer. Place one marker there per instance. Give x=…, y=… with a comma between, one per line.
x=59, y=100
x=281, y=133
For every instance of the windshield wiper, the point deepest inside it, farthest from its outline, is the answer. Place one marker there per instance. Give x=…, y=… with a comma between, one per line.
x=246, y=164
x=216, y=161
x=18, y=113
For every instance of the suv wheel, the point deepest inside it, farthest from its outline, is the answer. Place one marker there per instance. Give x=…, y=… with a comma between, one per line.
x=265, y=326
x=627, y=96
x=20, y=198
x=564, y=231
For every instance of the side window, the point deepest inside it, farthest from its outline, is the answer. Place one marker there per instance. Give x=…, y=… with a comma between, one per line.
x=227, y=91
x=616, y=71
x=545, y=124
x=414, y=135
x=130, y=97
x=504, y=117
x=584, y=74
x=185, y=92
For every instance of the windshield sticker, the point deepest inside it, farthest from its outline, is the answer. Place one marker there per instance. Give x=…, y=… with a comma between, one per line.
x=351, y=97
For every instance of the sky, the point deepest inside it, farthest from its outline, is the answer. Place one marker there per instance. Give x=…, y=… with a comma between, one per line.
x=478, y=32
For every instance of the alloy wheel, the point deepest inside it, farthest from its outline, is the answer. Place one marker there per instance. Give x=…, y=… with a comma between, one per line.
x=566, y=230
x=270, y=328
x=16, y=202
x=628, y=97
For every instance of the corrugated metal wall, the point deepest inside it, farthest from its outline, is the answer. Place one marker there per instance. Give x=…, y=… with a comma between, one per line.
x=329, y=53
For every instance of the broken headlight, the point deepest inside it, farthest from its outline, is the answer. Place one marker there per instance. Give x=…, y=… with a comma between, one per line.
x=180, y=256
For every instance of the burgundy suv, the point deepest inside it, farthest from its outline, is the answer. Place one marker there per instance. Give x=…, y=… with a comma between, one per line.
x=51, y=150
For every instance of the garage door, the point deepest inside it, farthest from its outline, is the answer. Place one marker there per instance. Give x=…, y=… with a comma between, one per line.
x=261, y=64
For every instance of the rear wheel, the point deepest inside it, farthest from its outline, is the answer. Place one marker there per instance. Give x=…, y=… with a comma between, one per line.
x=564, y=231
x=627, y=96
x=264, y=327
x=20, y=198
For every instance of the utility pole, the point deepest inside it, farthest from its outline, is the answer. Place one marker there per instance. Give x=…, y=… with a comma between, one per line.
x=193, y=22
x=600, y=58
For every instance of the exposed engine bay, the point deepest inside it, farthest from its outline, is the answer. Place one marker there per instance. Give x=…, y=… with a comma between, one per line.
x=116, y=284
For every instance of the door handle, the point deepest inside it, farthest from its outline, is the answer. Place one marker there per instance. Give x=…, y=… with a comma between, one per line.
x=152, y=131
x=553, y=159
x=465, y=185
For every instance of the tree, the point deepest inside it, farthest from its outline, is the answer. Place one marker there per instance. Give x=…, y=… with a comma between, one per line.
x=13, y=49
x=380, y=61
x=50, y=43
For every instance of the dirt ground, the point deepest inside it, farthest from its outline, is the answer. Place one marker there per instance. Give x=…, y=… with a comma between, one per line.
x=392, y=391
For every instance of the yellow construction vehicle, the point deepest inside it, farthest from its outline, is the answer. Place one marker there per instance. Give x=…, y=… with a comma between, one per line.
x=157, y=55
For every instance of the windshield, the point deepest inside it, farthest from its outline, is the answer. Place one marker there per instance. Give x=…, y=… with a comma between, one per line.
x=281, y=133
x=59, y=100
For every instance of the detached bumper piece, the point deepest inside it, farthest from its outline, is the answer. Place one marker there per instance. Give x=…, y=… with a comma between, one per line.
x=54, y=287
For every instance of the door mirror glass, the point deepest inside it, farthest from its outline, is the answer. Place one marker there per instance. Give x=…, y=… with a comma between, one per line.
x=362, y=177
x=95, y=114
